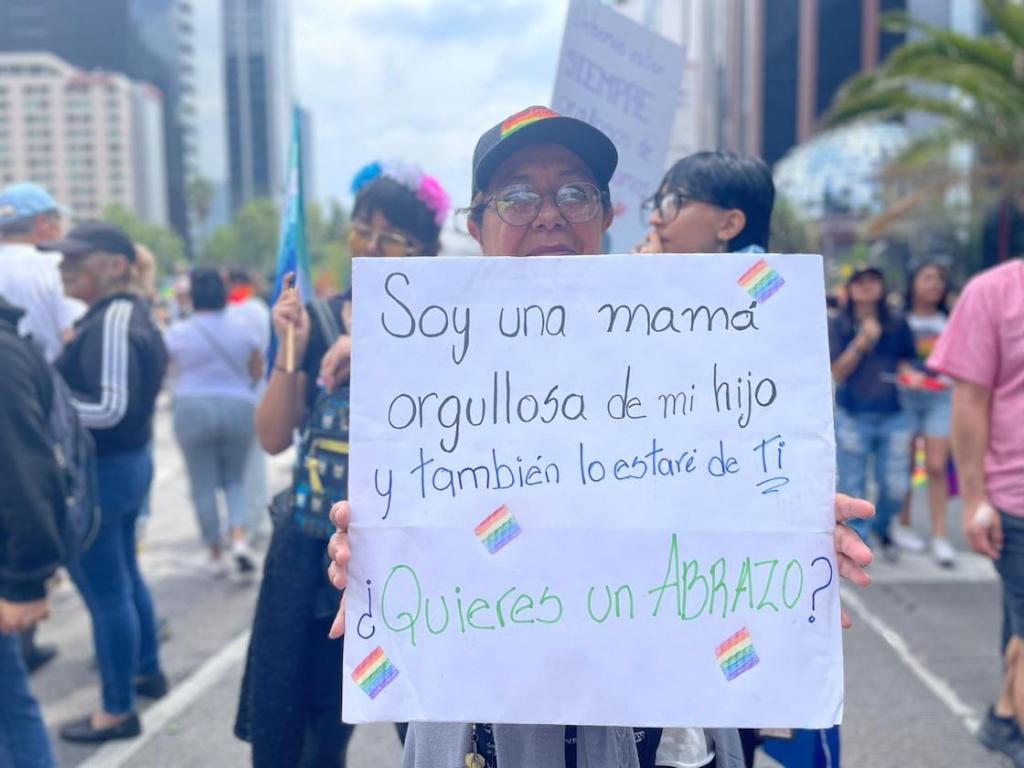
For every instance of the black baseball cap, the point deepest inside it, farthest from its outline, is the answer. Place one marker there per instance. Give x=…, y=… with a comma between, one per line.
x=91, y=236
x=540, y=125
x=866, y=269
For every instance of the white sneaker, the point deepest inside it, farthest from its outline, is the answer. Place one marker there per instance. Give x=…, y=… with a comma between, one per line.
x=216, y=567
x=243, y=557
x=906, y=538
x=943, y=552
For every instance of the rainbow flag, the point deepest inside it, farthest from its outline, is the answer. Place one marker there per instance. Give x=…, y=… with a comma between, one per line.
x=498, y=529
x=374, y=673
x=524, y=118
x=919, y=474
x=761, y=281
x=736, y=655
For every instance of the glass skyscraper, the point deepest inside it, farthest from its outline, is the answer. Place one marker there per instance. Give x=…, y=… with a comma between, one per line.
x=257, y=76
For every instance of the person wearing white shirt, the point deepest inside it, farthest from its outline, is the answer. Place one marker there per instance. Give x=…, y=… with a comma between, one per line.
x=29, y=278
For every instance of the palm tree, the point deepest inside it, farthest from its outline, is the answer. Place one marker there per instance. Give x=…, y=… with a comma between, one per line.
x=973, y=85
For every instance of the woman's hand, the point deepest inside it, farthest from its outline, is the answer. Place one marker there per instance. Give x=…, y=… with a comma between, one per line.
x=869, y=334
x=336, y=365
x=652, y=244
x=288, y=311
x=339, y=552
x=852, y=554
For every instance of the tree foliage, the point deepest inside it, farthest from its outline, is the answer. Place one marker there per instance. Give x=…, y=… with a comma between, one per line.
x=167, y=246
x=974, y=86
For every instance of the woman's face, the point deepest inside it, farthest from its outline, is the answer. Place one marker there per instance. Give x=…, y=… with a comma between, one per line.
x=546, y=168
x=866, y=289
x=375, y=236
x=696, y=227
x=929, y=285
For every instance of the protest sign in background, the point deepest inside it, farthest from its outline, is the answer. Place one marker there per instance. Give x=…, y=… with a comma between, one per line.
x=625, y=80
x=592, y=490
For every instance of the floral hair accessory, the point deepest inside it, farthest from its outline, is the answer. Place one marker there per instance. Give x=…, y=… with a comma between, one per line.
x=426, y=188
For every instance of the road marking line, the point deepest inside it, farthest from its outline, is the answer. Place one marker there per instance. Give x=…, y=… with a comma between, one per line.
x=942, y=690
x=182, y=696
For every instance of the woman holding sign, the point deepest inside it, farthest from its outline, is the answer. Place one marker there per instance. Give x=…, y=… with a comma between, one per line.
x=290, y=702
x=540, y=187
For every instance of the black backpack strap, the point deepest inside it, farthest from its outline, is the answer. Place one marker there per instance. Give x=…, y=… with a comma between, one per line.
x=326, y=319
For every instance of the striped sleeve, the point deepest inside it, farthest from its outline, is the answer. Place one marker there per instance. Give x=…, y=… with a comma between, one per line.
x=113, y=383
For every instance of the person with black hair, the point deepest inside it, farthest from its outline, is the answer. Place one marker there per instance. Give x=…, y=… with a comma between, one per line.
x=870, y=348
x=218, y=358
x=289, y=706
x=926, y=398
x=711, y=202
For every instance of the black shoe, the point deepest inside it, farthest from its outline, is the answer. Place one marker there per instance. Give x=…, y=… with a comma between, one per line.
x=1001, y=734
x=152, y=686
x=82, y=732
x=890, y=552
x=39, y=655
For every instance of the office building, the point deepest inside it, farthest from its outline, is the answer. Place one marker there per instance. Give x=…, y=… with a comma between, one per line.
x=91, y=138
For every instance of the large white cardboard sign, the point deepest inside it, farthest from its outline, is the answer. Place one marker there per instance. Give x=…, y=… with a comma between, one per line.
x=624, y=79
x=593, y=490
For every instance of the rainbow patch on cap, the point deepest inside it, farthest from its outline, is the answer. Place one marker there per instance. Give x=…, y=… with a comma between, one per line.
x=524, y=118
x=498, y=529
x=737, y=655
x=761, y=281
x=374, y=673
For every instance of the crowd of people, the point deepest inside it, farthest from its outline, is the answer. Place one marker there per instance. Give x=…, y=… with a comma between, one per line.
x=77, y=321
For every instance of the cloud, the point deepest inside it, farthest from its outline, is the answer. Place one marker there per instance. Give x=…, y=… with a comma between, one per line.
x=418, y=80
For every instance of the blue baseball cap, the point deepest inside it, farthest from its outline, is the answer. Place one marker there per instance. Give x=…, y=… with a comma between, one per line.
x=24, y=200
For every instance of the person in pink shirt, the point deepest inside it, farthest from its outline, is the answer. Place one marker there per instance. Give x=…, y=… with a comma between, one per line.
x=982, y=349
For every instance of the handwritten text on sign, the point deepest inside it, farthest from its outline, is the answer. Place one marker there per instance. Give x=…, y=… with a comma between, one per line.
x=624, y=79
x=592, y=490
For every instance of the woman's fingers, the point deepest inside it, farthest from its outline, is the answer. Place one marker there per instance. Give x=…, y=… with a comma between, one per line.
x=848, y=543
x=849, y=508
x=338, y=627
x=340, y=515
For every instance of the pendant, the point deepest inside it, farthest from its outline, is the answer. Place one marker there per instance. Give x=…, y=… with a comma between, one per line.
x=474, y=760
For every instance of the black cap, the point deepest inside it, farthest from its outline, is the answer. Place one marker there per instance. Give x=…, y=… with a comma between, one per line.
x=540, y=125
x=866, y=269
x=90, y=237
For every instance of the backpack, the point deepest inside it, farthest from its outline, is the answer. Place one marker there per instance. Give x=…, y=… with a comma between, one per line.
x=320, y=474
x=76, y=459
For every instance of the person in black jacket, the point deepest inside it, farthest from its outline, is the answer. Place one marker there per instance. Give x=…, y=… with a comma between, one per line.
x=31, y=512
x=114, y=367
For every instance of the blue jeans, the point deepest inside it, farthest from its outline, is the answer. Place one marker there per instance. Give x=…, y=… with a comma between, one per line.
x=216, y=435
x=23, y=739
x=884, y=440
x=108, y=577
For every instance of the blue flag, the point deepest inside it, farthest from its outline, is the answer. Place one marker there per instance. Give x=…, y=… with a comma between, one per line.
x=292, y=255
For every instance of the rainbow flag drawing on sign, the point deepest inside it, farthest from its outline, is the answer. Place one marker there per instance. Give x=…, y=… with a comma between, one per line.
x=761, y=281
x=498, y=529
x=374, y=673
x=737, y=655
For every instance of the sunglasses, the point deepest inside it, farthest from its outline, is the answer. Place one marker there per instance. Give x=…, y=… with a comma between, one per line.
x=520, y=204
x=362, y=238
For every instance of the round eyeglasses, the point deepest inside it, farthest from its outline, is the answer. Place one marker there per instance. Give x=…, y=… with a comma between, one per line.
x=520, y=204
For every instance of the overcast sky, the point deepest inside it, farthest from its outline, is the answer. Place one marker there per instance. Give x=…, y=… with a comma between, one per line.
x=418, y=80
